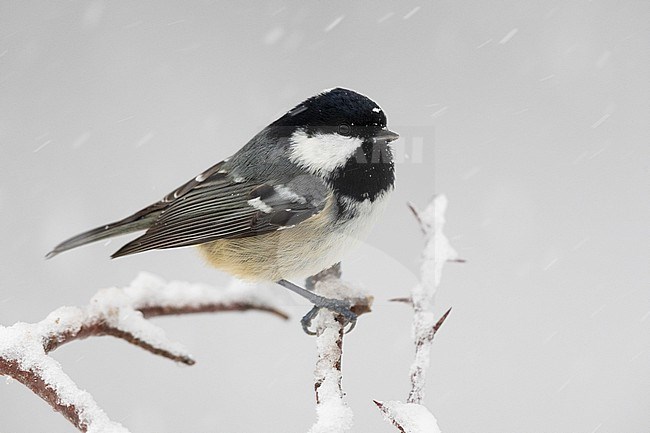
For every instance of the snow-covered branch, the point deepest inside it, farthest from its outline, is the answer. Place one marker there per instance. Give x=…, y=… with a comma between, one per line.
x=334, y=415
x=122, y=313
x=412, y=417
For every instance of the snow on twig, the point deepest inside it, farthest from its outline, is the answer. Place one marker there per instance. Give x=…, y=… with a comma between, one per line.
x=333, y=414
x=409, y=417
x=437, y=251
x=412, y=417
x=121, y=313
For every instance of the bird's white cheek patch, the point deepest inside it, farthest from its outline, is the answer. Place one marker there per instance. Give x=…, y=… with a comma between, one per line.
x=322, y=153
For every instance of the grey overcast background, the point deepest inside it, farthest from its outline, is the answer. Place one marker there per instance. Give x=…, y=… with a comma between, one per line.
x=531, y=116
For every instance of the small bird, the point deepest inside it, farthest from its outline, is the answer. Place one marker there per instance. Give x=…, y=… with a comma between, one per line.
x=287, y=205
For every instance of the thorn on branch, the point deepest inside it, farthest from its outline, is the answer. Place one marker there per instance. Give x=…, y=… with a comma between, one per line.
x=388, y=416
x=416, y=214
x=441, y=321
x=402, y=300
x=411, y=417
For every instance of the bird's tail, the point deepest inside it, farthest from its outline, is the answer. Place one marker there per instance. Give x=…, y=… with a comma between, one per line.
x=127, y=225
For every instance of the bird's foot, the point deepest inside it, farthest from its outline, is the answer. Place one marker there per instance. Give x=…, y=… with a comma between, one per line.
x=340, y=307
x=337, y=306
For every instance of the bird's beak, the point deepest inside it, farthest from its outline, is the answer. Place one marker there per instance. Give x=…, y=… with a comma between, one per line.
x=386, y=136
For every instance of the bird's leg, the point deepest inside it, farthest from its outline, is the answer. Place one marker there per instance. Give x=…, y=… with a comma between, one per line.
x=335, y=305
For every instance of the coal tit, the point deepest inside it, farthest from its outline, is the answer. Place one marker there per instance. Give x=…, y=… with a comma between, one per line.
x=287, y=205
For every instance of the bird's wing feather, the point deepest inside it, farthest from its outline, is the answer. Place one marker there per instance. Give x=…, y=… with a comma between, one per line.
x=220, y=206
x=144, y=218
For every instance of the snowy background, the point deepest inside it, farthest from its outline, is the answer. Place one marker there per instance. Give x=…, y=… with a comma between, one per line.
x=531, y=116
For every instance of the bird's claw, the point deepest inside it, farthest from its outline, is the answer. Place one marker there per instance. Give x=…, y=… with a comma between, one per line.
x=307, y=318
x=339, y=307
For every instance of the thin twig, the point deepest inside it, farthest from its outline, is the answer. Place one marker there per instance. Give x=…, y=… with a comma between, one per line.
x=437, y=251
x=412, y=417
x=423, y=341
x=99, y=327
x=171, y=310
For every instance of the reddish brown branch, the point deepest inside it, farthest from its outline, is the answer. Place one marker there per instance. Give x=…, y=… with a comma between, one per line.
x=37, y=385
x=24, y=347
x=99, y=327
x=168, y=310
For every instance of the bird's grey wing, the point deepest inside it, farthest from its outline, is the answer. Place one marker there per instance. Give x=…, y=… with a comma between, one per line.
x=144, y=218
x=223, y=206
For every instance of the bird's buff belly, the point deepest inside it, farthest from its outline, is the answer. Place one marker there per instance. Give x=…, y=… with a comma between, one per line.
x=292, y=253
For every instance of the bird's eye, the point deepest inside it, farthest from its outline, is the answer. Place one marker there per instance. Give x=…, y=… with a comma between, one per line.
x=344, y=129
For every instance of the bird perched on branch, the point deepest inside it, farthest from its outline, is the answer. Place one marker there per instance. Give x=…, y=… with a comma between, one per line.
x=287, y=205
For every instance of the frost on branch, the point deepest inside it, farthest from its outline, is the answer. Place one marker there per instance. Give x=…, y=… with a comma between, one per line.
x=121, y=313
x=409, y=417
x=437, y=251
x=334, y=415
x=412, y=417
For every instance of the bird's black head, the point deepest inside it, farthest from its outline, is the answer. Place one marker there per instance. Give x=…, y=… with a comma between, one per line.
x=336, y=111
x=341, y=136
